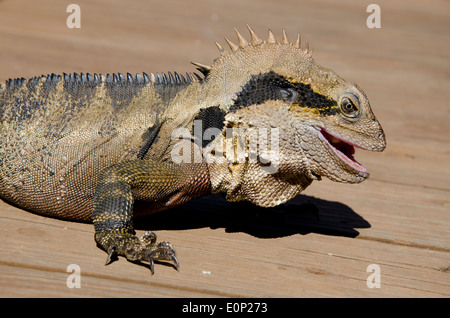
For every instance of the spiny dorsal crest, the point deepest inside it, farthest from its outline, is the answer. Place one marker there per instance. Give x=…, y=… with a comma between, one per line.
x=255, y=41
x=95, y=79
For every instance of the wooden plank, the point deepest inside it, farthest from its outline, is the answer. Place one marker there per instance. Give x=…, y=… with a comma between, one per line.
x=216, y=262
x=398, y=219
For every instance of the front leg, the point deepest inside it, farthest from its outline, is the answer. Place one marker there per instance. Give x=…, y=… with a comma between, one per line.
x=162, y=185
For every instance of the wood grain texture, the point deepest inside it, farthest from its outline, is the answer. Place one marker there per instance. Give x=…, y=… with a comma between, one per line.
x=398, y=219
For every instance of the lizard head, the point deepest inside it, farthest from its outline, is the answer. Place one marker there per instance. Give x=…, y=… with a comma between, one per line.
x=321, y=117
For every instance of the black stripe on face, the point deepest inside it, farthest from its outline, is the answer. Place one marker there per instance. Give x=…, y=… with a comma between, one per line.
x=271, y=86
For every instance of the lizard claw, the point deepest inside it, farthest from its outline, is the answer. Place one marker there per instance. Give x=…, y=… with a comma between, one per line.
x=112, y=253
x=152, y=266
x=175, y=262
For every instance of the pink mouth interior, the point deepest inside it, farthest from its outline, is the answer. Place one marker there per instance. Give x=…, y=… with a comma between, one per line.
x=344, y=150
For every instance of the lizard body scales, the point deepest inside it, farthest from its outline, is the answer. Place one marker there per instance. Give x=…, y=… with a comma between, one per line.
x=88, y=147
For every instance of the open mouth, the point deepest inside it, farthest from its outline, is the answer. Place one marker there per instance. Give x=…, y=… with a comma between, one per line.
x=343, y=149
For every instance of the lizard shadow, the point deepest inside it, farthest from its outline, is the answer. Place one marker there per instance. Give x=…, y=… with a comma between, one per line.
x=302, y=215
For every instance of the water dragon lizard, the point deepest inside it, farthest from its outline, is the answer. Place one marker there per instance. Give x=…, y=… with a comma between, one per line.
x=260, y=125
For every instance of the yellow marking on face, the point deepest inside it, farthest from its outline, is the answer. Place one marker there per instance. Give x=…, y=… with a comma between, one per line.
x=312, y=110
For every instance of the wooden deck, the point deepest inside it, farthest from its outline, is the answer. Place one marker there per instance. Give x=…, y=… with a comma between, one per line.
x=399, y=219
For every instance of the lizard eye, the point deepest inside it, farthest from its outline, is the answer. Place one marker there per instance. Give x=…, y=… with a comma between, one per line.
x=288, y=94
x=348, y=108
